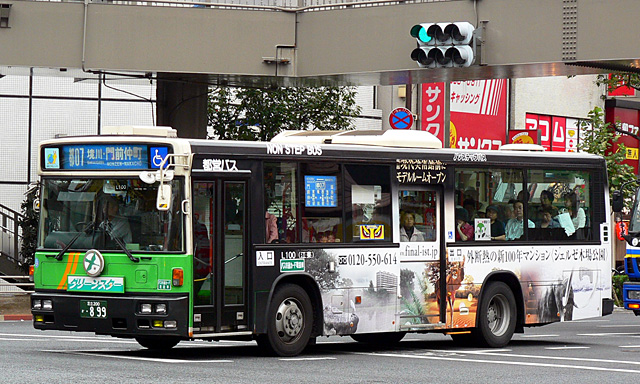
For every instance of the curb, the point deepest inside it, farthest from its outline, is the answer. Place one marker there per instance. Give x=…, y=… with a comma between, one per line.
x=16, y=317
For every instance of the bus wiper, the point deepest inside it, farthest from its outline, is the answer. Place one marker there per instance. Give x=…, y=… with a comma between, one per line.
x=89, y=227
x=121, y=244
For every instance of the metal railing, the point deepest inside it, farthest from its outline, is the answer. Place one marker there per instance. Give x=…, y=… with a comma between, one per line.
x=10, y=239
x=18, y=285
x=267, y=5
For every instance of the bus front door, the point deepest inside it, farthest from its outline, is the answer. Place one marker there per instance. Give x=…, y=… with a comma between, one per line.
x=220, y=209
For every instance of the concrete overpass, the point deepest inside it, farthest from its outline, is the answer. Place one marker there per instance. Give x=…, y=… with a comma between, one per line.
x=366, y=43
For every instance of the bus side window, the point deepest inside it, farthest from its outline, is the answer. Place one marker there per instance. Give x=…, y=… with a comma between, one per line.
x=280, y=202
x=368, y=203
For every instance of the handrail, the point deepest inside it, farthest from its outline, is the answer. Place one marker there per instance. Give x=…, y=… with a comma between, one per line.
x=10, y=234
x=277, y=5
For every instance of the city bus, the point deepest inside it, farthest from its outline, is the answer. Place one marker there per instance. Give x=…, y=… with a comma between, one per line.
x=367, y=234
x=630, y=232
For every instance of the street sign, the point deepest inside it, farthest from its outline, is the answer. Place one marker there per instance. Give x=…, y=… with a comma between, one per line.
x=401, y=118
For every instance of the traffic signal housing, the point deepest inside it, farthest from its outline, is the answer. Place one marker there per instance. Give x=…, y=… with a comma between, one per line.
x=443, y=45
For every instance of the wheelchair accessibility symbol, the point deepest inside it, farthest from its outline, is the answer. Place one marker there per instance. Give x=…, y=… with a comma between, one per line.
x=158, y=154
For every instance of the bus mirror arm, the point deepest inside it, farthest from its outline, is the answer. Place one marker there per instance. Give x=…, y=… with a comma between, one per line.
x=617, y=197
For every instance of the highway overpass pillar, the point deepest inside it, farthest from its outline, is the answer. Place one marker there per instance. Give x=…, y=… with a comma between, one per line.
x=183, y=104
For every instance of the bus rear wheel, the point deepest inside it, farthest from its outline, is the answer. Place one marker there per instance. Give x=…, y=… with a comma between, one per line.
x=496, y=316
x=289, y=321
x=158, y=343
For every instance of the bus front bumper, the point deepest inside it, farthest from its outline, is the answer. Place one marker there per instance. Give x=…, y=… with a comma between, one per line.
x=121, y=316
x=631, y=296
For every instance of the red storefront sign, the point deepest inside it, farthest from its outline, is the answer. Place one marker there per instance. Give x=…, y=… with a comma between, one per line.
x=557, y=133
x=432, y=111
x=629, y=121
x=522, y=137
x=478, y=113
x=622, y=90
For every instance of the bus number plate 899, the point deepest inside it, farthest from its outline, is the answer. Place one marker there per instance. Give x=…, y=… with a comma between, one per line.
x=93, y=309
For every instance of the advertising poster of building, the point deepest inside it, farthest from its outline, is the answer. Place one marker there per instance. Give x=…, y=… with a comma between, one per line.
x=478, y=113
x=557, y=133
x=629, y=121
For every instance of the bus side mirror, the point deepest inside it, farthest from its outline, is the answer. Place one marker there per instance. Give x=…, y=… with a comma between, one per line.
x=163, y=202
x=617, y=201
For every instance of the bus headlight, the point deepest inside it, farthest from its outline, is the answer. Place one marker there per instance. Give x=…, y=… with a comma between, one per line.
x=37, y=304
x=633, y=295
x=161, y=308
x=47, y=305
x=145, y=308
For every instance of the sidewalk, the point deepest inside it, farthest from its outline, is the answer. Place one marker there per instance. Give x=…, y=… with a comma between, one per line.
x=15, y=307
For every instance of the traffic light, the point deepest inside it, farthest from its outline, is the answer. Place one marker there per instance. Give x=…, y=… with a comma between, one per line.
x=443, y=44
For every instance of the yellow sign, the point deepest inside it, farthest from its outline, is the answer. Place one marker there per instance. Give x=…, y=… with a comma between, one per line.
x=632, y=153
x=372, y=232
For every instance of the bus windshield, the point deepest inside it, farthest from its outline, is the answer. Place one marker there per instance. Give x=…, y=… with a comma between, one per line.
x=100, y=213
x=634, y=223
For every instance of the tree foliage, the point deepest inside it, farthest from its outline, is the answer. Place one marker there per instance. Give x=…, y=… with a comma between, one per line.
x=262, y=113
x=28, y=222
x=619, y=79
x=599, y=139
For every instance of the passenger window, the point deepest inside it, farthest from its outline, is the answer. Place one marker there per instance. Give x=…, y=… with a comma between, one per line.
x=367, y=192
x=280, y=202
x=418, y=216
x=321, y=210
x=560, y=204
x=489, y=204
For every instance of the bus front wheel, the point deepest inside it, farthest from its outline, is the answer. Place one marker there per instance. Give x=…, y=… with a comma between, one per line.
x=497, y=316
x=158, y=343
x=290, y=320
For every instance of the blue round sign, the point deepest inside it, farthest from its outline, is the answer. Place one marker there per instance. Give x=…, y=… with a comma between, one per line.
x=401, y=118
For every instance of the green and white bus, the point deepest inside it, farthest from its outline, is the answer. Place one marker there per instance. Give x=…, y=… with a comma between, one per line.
x=367, y=234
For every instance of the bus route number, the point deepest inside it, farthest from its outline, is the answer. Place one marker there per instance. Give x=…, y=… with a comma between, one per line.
x=367, y=260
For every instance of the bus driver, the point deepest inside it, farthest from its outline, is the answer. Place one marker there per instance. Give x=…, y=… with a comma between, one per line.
x=118, y=226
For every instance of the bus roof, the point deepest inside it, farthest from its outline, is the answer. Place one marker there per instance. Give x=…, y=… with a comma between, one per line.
x=386, y=138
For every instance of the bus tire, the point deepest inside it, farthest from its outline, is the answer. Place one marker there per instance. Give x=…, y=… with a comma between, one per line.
x=497, y=316
x=384, y=338
x=158, y=343
x=289, y=321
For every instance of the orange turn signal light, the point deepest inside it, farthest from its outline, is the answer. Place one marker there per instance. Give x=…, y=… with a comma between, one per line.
x=177, y=277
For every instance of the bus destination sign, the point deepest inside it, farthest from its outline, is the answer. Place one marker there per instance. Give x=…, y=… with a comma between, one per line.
x=104, y=157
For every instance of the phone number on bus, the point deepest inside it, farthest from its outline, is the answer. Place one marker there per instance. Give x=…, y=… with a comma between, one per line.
x=368, y=260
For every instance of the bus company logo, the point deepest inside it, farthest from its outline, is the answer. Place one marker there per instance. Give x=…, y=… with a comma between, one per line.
x=292, y=265
x=93, y=262
x=219, y=165
x=51, y=158
x=469, y=157
x=372, y=232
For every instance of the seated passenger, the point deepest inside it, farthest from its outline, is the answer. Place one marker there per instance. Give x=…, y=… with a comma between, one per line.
x=497, y=228
x=515, y=227
x=546, y=202
x=464, y=230
x=577, y=214
x=407, y=230
x=547, y=220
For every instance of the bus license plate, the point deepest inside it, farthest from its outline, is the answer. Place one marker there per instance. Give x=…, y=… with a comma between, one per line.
x=94, y=309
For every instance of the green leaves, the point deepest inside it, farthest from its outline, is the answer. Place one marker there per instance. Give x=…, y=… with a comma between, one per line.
x=262, y=113
x=599, y=139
